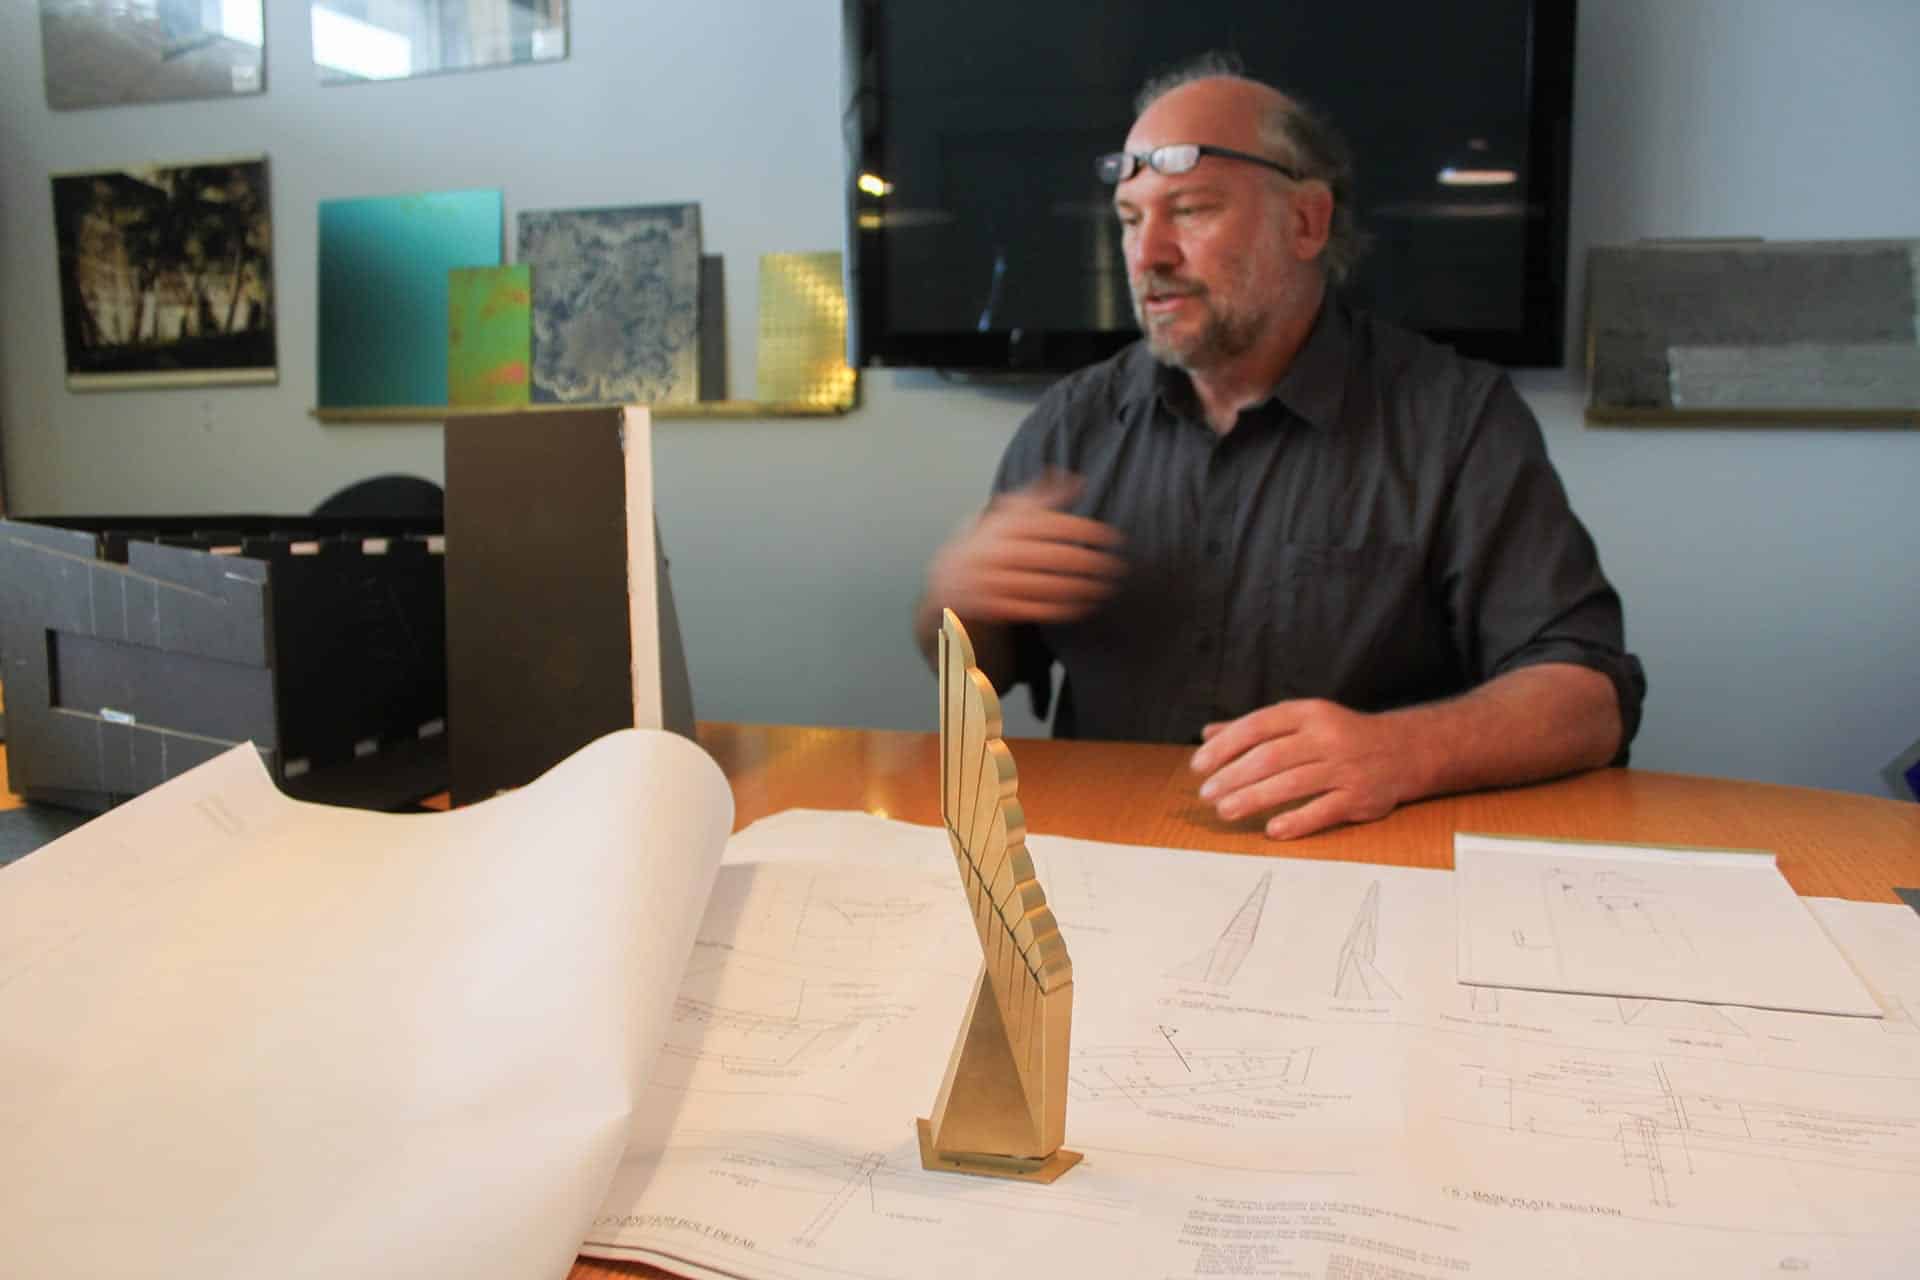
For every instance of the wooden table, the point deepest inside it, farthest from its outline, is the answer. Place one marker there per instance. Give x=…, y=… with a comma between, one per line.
x=1830, y=844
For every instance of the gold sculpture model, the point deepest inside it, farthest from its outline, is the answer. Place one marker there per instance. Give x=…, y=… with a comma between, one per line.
x=1002, y=1107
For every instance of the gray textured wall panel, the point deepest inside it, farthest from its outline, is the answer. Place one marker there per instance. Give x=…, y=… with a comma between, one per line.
x=1646, y=301
x=1869, y=376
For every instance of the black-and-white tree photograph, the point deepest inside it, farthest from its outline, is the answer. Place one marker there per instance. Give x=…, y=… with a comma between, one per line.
x=166, y=275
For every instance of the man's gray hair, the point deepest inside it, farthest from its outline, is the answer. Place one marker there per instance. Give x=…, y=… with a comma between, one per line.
x=1298, y=135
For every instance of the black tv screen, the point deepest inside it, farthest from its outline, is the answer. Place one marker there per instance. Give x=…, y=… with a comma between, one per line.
x=979, y=236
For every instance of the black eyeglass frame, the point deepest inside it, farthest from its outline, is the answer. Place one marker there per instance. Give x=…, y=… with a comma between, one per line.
x=1116, y=167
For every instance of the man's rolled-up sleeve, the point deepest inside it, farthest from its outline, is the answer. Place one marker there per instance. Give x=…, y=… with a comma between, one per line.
x=1520, y=573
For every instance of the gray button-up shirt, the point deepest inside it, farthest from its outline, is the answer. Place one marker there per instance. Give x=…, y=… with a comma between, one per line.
x=1384, y=530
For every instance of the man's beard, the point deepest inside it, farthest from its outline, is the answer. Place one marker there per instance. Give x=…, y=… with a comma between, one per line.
x=1226, y=333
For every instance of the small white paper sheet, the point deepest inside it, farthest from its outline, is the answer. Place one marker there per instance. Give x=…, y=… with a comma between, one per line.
x=1714, y=926
x=243, y=1035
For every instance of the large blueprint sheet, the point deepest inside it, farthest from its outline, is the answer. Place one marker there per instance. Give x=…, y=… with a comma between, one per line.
x=241, y=1035
x=1274, y=1074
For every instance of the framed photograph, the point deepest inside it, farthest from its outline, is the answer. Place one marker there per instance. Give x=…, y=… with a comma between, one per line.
x=354, y=41
x=104, y=53
x=166, y=275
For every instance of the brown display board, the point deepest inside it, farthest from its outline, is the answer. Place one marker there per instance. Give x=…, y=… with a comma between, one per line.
x=560, y=621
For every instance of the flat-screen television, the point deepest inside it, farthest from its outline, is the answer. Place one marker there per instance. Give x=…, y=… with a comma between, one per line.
x=979, y=236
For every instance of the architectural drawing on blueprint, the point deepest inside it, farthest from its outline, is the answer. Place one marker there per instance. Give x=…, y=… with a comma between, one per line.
x=1677, y=1015
x=859, y=1179
x=797, y=969
x=784, y=1150
x=1357, y=977
x=744, y=1014
x=1686, y=1132
x=1220, y=963
x=1624, y=909
x=1566, y=1008
x=1586, y=911
x=837, y=919
x=1168, y=1070
x=806, y=1191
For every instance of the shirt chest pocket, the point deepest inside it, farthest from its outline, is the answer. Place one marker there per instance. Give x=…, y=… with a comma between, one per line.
x=1353, y=623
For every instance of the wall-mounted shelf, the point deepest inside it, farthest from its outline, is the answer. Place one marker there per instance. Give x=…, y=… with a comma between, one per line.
x=1619, y=417
x=661, y=412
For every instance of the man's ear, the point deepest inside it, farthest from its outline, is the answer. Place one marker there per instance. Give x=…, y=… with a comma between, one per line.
x=1310, y=216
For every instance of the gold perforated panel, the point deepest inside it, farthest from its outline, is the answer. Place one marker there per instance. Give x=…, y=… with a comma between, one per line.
x=803, y=332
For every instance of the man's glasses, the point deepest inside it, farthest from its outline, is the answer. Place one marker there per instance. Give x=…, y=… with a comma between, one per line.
x=1176, y=158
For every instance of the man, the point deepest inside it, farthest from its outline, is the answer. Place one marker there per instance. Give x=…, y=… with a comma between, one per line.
x=1330, y=551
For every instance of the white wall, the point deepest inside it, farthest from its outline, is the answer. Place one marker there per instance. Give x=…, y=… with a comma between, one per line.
x=1768, y=573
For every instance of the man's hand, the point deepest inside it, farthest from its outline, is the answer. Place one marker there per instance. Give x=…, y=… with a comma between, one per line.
x=1027, y=560
x=1327, y=764
x=1344, y=765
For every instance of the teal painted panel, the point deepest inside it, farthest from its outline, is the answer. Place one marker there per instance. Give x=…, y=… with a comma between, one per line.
x=383, y=291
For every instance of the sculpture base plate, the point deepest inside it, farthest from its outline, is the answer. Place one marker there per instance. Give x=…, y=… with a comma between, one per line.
x=1038, y=1169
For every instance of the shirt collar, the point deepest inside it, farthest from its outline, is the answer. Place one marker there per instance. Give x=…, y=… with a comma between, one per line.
x=1313, y=388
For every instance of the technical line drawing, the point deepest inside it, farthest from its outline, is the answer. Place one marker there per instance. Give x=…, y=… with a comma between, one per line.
x=749, y=1015
x=1672, y=1133
x=1168, y=1033
x=792, y=913
x=1676, y=1015
x=859, y=1176
x=1358, y=978
x=837, y=923
x=1628, y=906
x=1220, y=963
x=815, y=1185
x=1605, y=912
x=1169, y=1071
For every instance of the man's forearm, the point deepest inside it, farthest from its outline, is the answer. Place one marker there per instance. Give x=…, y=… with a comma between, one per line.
x=1535, y=723
x=1318, y=763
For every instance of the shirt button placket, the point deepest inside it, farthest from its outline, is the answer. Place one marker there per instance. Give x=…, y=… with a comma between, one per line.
x=1211, y=574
